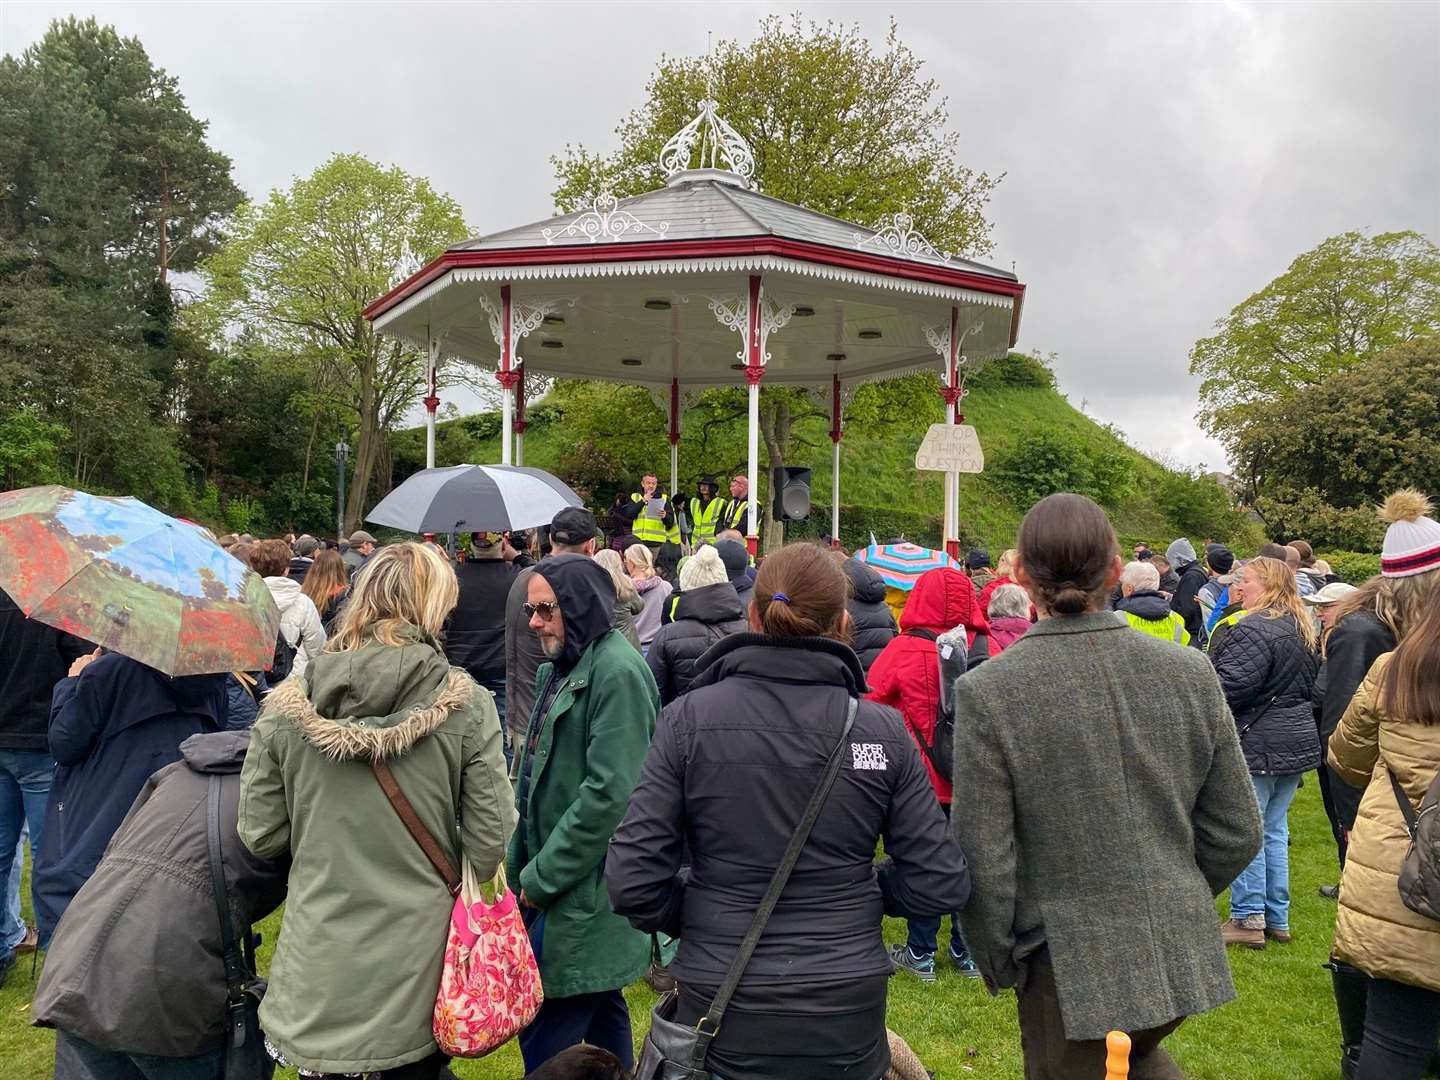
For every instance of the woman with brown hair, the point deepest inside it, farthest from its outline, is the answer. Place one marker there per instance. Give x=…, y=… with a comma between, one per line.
x=1389, y=744
x=1101, y=818
x=733, y=765
x=327, y=583
x=1267, y=665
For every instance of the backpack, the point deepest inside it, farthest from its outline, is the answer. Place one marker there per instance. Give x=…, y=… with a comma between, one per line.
x=1420, y=872
x=953, y=662
x=284, y=661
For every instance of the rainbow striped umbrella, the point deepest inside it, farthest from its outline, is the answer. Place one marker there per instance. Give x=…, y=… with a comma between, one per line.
x=900, y=565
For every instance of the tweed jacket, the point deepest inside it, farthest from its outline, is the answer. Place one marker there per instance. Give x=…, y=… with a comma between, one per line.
x=1101, y=818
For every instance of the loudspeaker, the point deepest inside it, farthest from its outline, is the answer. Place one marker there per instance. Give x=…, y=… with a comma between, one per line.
x=790, y=493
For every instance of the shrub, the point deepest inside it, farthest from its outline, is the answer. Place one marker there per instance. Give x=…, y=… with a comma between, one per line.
x=1014, y=369
x=1048, y=460
x=1306, y=514
x=1198, y=504
x=1354, y=567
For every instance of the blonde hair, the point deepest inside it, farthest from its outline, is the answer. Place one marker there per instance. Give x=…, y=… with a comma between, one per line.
x=1006, y=566
x=1400, y=603
x=611, y=561
x=402, y=585
x=1281, y=596
x=640, y=561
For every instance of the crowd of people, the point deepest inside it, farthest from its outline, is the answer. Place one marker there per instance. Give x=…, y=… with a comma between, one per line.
x=634, y=723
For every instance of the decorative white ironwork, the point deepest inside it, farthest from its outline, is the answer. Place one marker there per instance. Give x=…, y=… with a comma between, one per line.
x=604, y=221
x=525, y=318
x=733, y=313
x=717, y=142
x=896, y=235
x=939, y=339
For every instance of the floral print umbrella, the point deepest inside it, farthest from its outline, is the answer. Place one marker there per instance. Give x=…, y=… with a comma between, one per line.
x=125, y=576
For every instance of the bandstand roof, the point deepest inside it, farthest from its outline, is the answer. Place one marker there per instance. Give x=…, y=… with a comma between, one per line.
x=638, y=290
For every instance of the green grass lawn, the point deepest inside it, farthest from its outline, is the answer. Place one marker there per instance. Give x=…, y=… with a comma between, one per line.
x=1282, y=1027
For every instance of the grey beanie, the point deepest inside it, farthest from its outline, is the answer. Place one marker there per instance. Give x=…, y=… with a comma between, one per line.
x=1180, y=553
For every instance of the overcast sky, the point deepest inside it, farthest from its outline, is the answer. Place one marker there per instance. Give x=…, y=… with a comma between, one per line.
x=1164, y=161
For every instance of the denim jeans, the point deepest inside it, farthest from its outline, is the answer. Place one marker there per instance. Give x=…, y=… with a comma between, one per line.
x=921, y=933
x=25, y=777
x=76, y=1059
x=12, y=923
x=1401, y=1026
x=1263, y=887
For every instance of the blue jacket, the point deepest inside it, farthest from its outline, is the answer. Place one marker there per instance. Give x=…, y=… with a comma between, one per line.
x=111, y=726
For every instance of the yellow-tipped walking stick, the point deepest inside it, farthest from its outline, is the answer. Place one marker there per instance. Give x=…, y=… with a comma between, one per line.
x=1117, y=1057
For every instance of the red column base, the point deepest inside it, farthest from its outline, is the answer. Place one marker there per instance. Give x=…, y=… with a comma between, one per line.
x=952, y=548
x=753, y=544
x=834, y=543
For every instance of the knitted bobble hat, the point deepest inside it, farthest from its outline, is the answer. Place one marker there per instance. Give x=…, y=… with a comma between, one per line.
x=1412, y=542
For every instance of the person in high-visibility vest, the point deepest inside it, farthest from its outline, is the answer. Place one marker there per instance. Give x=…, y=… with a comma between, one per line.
x=706, y=512
x=737, y=507
x=1146, y=608
x=650, y=529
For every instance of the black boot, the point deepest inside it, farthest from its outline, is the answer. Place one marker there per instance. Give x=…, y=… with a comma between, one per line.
x=1352, y=990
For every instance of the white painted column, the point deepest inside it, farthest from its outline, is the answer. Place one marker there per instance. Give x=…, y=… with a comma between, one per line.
x=432, y=402
x=506, y=375
x=835, y=499
x=752, y=470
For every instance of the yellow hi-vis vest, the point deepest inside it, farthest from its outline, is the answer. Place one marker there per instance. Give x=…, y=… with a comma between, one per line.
x=734, y=512
x=1227, y=622
x=650, y=530
x=1170, y=628
x=705, y=520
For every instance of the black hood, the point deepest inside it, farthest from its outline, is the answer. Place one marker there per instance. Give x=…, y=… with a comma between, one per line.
x=868, y=586
x=587, y=602
x=216, y=751
x=800, y=661
x=1147, y=604
x=710, y=604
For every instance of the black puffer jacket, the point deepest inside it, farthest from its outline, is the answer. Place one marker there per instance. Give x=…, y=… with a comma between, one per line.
x=702, y=617
x=731, y=768
x=873, y=623
x=1268, y=675
x=1185, y=603
x=1353, y=645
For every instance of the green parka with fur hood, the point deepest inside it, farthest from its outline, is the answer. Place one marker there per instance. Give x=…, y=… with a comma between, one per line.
x=357, y=967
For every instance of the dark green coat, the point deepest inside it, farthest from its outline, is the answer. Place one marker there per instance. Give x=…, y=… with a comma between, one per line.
x=592, y=742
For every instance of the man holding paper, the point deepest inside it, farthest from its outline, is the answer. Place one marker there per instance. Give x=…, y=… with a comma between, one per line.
x=653, y=513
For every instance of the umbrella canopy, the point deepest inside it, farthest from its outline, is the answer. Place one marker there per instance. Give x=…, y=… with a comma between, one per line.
x=474, y=498
x=138, y=582
x=900, y=565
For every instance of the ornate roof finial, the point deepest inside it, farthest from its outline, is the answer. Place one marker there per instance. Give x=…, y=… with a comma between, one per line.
x=721, y=147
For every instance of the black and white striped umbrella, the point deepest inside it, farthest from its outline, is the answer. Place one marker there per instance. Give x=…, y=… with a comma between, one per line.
x=474, y=498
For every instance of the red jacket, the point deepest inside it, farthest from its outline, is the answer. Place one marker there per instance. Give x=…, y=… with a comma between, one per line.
x=906, y=675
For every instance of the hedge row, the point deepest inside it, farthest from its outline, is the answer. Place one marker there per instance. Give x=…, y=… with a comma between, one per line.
x=1352, y=566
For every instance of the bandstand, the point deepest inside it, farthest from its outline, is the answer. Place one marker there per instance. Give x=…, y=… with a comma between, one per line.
x=706, y=283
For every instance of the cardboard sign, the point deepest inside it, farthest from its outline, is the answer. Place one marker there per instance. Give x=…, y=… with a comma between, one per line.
x=950, y=448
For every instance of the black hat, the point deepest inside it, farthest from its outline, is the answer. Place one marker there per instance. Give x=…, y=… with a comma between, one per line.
x=1220, y=558
x=735, y=557
x=573, y=526
x=978, y=559
x=710, y=481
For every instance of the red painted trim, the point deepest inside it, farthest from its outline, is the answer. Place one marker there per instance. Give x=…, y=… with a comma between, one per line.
x=507, y=331
x=752, y=338
x=952, y=548
x=804, y=251
x=835, y=431
x=520, y=398
x=674, y=411
x=752, y=544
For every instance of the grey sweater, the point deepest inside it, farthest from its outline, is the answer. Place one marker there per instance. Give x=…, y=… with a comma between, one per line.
x=1101, y=818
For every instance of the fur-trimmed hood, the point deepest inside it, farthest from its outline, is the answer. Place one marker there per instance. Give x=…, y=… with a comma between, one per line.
x=377, y=701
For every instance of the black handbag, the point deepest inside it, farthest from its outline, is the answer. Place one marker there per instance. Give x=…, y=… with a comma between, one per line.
x=675, y=1051
x=245, y=1054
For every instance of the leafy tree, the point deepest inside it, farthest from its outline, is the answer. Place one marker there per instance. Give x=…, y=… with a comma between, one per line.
x=1048, y=460
x=1347, y=300
x=299, y=268
x=1324, y=458
x=106, y=183
x=835, y=123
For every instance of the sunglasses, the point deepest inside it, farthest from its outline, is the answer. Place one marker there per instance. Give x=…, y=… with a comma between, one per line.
x=546, y=609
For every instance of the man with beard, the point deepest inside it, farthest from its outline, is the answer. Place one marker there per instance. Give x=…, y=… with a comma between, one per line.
x=587, y=738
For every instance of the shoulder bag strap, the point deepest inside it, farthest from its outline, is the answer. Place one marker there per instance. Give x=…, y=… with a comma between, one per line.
x=709, y=1025
x=1412, y=820
x=235, y=974
x=415, y=826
